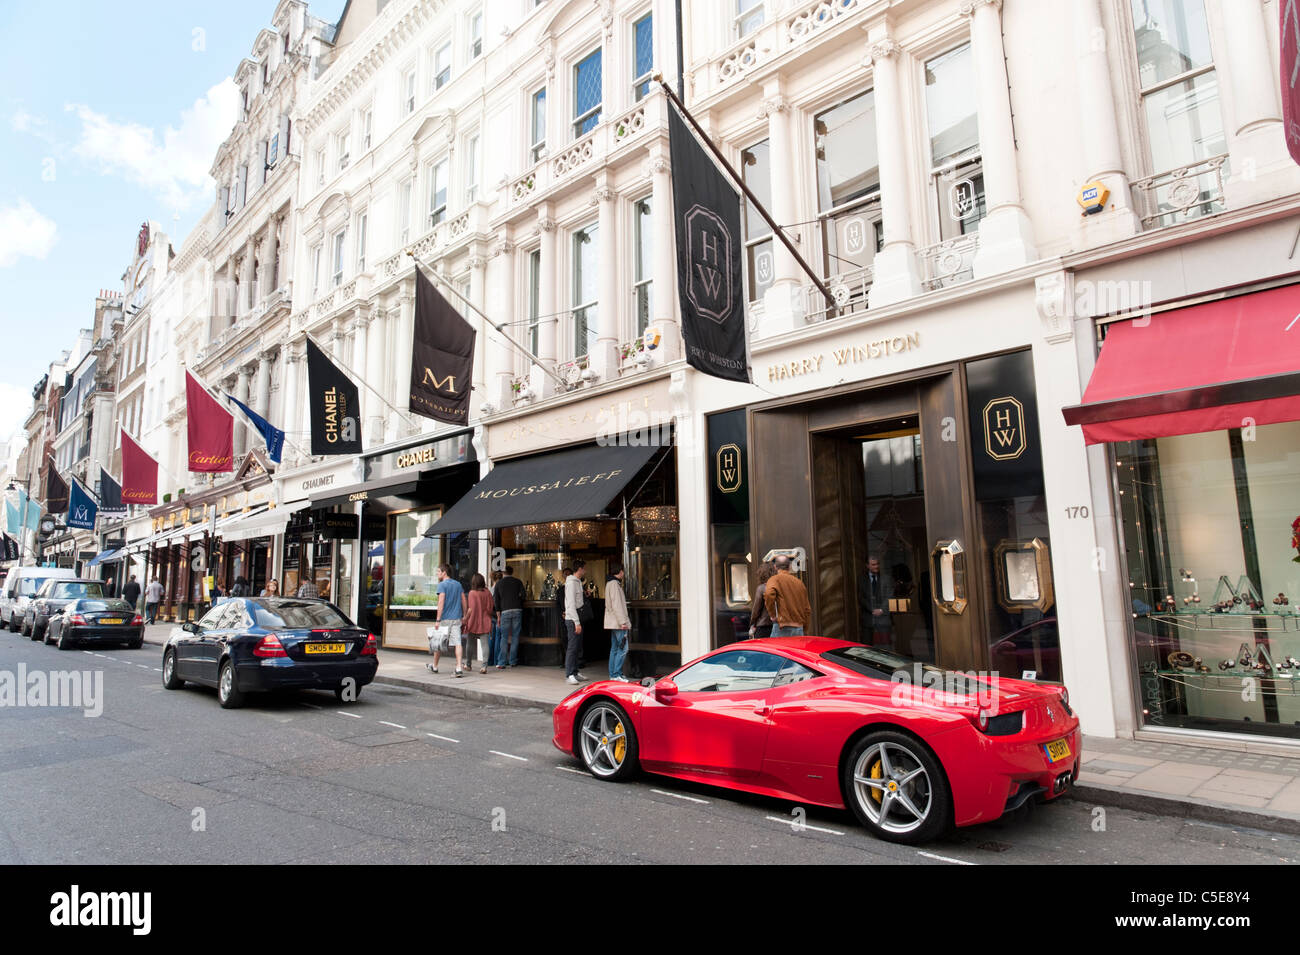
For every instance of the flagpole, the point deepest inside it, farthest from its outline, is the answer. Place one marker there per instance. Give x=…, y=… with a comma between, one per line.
x=749, y=195
x=499, y=329
x=373, y=391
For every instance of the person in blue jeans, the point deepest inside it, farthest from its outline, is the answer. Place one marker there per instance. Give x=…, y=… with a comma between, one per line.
x=508, y=598
x=617, y=623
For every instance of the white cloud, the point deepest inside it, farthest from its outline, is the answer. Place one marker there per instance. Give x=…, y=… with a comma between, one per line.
x=175, y=168
x=24, y=231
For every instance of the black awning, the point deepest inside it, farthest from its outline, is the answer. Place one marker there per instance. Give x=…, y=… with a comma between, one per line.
x=561, y=486
x=363, y=492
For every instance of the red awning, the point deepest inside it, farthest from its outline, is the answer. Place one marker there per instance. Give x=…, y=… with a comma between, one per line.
x=1205, y=368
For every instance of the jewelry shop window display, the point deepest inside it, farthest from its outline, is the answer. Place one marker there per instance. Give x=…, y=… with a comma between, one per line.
x=412, y=596
x=1211, y=526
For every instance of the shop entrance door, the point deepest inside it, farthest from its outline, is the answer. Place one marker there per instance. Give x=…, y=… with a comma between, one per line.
x=880, y=545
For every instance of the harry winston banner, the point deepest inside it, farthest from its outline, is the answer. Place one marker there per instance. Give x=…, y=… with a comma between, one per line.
x=211, y=430
x=442, y=357
x=706, y=214
x=56, y=490
x=110, y=496
x=81, y=508
x=139, y=473
x=335, y=406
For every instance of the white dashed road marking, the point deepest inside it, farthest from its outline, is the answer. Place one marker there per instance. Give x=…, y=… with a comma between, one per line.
x=803, y=825
x=664, y=792
x=495, y=752
x=931, y=855
x=570, y=769
x=394, y=725
x=355, y=716
x=447, y=738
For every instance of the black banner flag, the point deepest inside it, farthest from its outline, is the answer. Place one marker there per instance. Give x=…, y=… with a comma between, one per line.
x=56, y=490
x=442, y=357
x=335, y=406
x=110, y=496
x=706, y=214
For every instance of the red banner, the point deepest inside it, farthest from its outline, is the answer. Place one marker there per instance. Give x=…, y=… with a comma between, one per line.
x=211, y=430
x=1289, y=11
x=139, y=474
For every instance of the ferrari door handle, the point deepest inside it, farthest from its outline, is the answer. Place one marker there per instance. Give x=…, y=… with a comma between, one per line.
x=762, y=709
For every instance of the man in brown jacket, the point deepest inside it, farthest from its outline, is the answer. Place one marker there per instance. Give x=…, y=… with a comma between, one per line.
x=787, y=604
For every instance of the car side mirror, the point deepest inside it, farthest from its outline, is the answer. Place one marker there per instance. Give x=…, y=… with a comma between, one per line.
x=665, y=691
x=189, y=626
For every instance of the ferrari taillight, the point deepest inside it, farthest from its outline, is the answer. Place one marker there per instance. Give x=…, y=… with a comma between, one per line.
x=269, y=646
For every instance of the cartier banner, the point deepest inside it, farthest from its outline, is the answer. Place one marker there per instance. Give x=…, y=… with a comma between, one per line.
x=139, y=473
x=335, y=406
x=706, y=212
x=442, y=357
x=211, y=430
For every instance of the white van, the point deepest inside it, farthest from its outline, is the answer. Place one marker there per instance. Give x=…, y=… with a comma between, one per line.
x=20, y=586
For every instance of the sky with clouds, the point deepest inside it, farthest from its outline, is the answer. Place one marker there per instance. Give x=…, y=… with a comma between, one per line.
x=112, y=115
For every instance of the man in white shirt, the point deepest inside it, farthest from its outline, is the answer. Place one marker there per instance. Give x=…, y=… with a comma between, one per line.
x=573, y=602
x=153, y=595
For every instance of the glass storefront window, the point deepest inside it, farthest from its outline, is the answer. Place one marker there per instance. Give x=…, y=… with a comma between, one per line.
x=1208, y=522
x=415, y=559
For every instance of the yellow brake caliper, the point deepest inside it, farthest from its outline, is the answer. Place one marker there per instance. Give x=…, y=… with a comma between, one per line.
x=877, y=771
x=620, y=747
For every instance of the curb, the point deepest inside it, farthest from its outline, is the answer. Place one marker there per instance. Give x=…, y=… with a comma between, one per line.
x=438, y=689
x=1237, y=817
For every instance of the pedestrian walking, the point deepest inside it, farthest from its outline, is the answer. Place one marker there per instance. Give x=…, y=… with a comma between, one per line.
x=131, y=592
x=760, y=622
x=153, y=595
x=617, y=622
x=240, y=589
x=307, y=589
x=495, y=637
x=577, y=614
x=786, y=599
x=508, y=598
x=108, y=587
x=445, y=631
x=478, y=617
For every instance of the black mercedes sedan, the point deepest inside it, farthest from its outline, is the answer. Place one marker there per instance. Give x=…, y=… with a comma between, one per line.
x=257, y=644
x=95, y=620
x=53, y=596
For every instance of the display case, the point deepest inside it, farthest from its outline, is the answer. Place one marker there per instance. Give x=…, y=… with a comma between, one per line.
x=652, y=573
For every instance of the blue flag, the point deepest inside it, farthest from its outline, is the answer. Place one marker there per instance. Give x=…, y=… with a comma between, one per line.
x=81, y=509
x=29, y=512
x=12, y=522
x=274, y=436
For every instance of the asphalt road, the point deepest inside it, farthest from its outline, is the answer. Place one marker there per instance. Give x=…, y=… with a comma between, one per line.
x=404, y=777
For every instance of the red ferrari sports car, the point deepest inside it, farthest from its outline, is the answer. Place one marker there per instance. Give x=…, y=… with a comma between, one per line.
x=838, y=724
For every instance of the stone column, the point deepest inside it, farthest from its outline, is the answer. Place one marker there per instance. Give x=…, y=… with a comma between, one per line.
x=609, y=311
x=291, y=413
x=377, y=372
x=360, y=327
x=1006, y=238
x=262, y=399
x=783, y=306
x=477, y=266
x=663, y=286
x=895, y=273
x=246, y=281
x=402, y=365
x=1261, y=166
x=501, y=306
x=241, y=422
x=1102, y=158
x=541, y=384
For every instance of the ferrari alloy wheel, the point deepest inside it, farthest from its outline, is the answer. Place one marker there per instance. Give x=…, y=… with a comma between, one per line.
x=607, y=741
x=897, y=788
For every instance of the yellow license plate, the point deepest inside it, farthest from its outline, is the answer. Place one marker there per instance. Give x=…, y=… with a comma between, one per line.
x=326, y=647
x=111, y=620
x=1057, y=750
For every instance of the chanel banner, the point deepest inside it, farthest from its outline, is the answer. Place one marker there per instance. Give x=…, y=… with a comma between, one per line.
x=335, y=406
x=442, y=357
x=706, y=214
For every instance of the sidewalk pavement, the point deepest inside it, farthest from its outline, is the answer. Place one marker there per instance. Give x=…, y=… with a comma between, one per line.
x=1256, y=785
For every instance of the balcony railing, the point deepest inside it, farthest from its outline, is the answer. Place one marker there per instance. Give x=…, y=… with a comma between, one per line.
x=575, y=373
x=947, y=263
x=849, y=290
x=633, y=356
x=1181, y=194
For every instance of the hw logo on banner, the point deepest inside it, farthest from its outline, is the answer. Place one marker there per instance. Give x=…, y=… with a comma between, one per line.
x=708, y=250
x=1004, y=429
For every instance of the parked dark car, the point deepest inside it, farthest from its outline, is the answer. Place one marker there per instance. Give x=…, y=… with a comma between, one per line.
x=91, y=620
x=255, y=644
x=53, y=596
